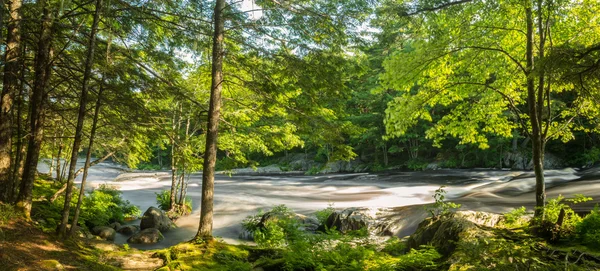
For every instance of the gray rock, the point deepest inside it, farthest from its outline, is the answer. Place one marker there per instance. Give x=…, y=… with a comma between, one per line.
x=128, y=229
x=347, y=220
x=156, y=218
x=104, y=232
x=115, y=226
x=146, y=236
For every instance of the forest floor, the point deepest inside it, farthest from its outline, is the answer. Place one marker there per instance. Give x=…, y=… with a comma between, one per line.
x=23, y=246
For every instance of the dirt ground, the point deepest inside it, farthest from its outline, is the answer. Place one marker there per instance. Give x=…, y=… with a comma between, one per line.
x=25, y=247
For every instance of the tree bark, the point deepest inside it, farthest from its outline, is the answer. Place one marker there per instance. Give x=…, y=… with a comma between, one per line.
x=80, y=118
x=10, y=88
x=210, y=153
x=41, y=81
x=88, y=156
x=534, y=117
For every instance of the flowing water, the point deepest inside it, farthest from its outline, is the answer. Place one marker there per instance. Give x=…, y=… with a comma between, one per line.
x=401, y=194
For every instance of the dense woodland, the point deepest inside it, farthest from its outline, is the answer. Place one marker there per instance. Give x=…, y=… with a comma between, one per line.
x=193, y=86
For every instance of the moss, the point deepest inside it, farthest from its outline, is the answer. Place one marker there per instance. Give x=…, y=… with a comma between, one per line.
x=51, y=265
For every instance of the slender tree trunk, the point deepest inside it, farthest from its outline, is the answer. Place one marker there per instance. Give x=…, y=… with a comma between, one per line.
x=88, y=156
x=210, y=153
x=58, y=161
x=95, y=162
x=9, y=91
x=536, y=133
x=173, y=163
x=80, y=118
x=42, y=71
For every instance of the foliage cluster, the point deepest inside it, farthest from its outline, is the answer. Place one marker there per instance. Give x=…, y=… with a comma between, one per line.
x=298, y=250
x=588, y=230
x=100, y=207
x=163, y=200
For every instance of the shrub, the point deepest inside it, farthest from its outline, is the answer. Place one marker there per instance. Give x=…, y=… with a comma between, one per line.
x=514, y=218
x=163, y=199
x=416, y=164
x=105, y=205
x=277, y=231
x=423, y=259
x=588, y=230
x=394, y=247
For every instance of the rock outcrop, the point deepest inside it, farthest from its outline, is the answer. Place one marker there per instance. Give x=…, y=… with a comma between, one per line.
x=347, y=220
x=128, y=229
x=156, y=218
x=146, y=236
x=104, y=232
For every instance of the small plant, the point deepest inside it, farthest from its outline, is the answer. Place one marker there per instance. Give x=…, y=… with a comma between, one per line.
x=514, y=218
x=7, y=212
x=314, y=170
x=163, y=199
x=423, y=259
x=126, y=247
x=322, y=215
x=441, y=207
x=394, y=246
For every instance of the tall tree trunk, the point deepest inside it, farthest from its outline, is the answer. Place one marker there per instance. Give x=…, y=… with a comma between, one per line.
x=534, y=117
x=80, y=118
x=9, y=91
x=88, y=156
x=22, y=134
x=173, y=163
x=210, y=153
x=41, y=81
x=59, y=155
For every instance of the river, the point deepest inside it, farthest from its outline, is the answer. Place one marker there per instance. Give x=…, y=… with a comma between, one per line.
x=401, y=194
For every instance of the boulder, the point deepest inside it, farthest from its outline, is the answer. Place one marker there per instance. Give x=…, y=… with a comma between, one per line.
x=128, y=229
x=441, y=232
x=115, y=226
x=146, y=236
x=104, y=232
x=347, y=220
x=156, y=218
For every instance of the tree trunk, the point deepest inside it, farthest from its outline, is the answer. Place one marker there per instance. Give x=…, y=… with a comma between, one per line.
x=58, y=162
x=64, y=187
x=9, y=91
x=88, y=156
x=80, y=118
x=173, y=164
x=210, y=153
x=41, y=81
x=534, y=117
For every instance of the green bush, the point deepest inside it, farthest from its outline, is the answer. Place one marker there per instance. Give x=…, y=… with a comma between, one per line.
x=514, y=218
x=163, y=199
x=423, y=259
x=394, y=246
x=416, y=164
x=105, y=205
x=588, y=230
x=278, y=231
